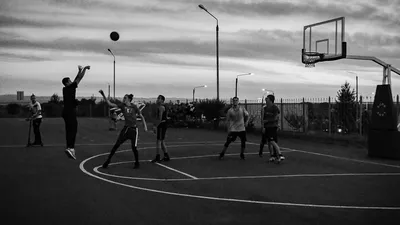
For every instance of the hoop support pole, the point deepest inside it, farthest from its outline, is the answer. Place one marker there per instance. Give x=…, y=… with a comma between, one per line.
x=387, y=68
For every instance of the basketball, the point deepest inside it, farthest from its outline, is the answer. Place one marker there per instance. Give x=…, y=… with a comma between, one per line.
x=114, y=36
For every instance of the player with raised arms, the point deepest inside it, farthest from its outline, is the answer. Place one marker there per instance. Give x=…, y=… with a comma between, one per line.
x=130, y=130
x=69, y=110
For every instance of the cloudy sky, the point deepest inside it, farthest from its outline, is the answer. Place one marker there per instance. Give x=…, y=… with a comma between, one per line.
x=168, y=46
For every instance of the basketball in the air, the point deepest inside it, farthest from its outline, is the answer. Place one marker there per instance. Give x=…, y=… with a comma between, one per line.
x=114, y=36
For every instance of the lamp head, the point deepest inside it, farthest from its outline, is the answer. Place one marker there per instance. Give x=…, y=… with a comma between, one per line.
x=202, y=7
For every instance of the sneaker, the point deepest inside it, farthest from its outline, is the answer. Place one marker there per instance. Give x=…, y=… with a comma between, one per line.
x=281, y=157
x=105, y=164
x=272, y=158
x=80, y=67
x=242, y=156
x=70, y=153
x=157, y=159
x=221, y=155
x=136, y=165
x=260, y=153
x=37, y=143
x=87, y=67
x=166, y=157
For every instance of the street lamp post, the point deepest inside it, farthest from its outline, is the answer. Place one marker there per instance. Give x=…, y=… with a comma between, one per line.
x=114, y=72
x=267, y=91
x=217, y=53
x=237, y=76
x=203, y=86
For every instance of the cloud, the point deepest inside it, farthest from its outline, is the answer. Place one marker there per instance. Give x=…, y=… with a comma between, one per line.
x=9, y=21
x=322, y=10
x=264, y=37
x=244, y=44
x=19, y=57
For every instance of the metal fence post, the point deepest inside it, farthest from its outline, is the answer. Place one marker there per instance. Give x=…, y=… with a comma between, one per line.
x=281, y=114
x=360, y=116
x=304, y=116
x=329, y=116
x=398, y=107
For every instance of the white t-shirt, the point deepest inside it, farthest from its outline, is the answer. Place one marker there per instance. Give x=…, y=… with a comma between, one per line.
x=236, y=119
x=35, y=108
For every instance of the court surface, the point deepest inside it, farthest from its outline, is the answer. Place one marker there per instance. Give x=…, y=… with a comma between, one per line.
x=316, y=184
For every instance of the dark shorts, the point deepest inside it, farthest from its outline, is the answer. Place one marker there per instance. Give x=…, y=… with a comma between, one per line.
x=128, y=133
x=232, y=136
x=161, y=130
x=270, y=134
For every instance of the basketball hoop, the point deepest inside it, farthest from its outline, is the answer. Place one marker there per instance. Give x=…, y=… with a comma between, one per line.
x=310, y=58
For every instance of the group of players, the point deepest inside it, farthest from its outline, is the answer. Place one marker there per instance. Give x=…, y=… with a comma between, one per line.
x=237, y=118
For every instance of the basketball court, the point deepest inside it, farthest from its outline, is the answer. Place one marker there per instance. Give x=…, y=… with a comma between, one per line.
x=195, y=172
x=317, y=183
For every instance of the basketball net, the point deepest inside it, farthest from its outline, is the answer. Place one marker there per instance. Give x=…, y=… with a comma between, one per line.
x=310, y=58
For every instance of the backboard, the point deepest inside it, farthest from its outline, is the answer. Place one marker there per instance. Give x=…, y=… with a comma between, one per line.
x=324, y=41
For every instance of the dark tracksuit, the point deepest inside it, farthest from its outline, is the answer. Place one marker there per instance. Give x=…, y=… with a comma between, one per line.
x=69, y=114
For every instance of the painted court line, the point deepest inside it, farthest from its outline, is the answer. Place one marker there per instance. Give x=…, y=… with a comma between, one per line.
x=286, y=204
x=111, y=144
x=145, y=148
x=178, y=171
x=96, y=169
x=338, y=157
x=185, y=157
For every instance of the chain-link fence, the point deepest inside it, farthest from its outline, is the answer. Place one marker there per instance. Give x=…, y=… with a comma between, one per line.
x=305, y=115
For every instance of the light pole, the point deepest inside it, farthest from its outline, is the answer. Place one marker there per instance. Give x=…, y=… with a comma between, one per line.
x=114, y=71
x=204, y=86
x=217, y=31
x=237, y=76
x=267, y=91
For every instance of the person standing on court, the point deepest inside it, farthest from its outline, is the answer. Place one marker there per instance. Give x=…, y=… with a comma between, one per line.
x=130, y=130
x=237, y=118
x=160, y=128
x=36, y=117
x=270, y=121
x=69, y=110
